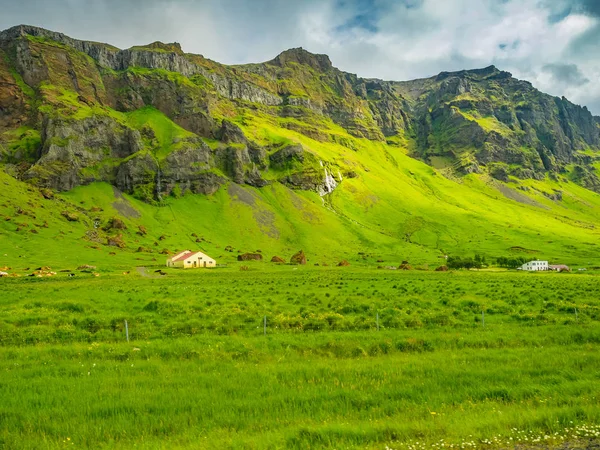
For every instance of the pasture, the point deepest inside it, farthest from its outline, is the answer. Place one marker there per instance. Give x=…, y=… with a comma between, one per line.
x=350, y=358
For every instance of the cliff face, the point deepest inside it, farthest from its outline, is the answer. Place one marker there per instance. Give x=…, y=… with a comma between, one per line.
x=150, y=118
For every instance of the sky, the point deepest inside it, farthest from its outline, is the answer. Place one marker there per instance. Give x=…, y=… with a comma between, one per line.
x=554, y=44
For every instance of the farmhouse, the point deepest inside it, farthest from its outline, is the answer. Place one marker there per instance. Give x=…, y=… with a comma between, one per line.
x=560, y=268
x=534, y=266
x=189, y=260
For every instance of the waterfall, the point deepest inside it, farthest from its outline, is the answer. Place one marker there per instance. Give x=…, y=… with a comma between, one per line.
x=329, y=184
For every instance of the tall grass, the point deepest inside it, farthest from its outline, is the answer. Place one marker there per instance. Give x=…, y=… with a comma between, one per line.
x=198, y=373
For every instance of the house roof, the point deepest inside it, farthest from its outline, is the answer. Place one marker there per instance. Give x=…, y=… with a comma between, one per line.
x=188, y=255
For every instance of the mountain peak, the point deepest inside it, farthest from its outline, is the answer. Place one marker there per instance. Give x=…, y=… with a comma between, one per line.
x=484, y=72
x=300, y=56
x=173, y=47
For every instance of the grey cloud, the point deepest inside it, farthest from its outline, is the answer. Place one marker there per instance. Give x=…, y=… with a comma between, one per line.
x=566, y=73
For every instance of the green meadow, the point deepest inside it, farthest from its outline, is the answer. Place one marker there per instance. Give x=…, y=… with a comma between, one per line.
x=350, y=358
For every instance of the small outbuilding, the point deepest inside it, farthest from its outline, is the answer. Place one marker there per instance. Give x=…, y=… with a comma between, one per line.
x=559, y=268
x=191, y=260
x=535, y=266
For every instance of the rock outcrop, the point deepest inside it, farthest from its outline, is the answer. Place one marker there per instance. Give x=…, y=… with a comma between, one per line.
x=250, y=257
x=298, y=258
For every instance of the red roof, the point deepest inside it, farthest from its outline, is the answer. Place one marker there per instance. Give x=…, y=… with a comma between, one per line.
x=185, y=256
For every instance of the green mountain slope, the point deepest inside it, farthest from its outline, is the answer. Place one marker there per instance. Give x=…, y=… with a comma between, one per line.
x=288, y=154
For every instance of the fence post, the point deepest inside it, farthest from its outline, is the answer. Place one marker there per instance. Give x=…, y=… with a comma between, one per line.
x=126, y=331
x=377, y=318
x=482, y=319
x=265, y=326
x=576, y=316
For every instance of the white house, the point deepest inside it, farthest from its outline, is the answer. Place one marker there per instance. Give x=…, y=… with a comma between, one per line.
x=534, y=266
x=189, y=260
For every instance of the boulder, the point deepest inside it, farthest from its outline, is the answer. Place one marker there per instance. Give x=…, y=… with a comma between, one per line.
x=277, y=259
x=404, y=266
x=343, y=263
x=250, y=257
x=298, y=258
x=442, y=269
x=70, y=216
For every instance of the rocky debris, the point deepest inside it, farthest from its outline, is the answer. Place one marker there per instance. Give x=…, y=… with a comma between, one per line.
x=47, y=193
x=42, y=272
x=250, y=257
x=404, y=266
x=277, y=259
x=115, y=241
x=86, y=267
x=3, y=274
x=343, y=263
x=298, y=258
x=557, y=195
x=442, y=269
x=229, y=249
x=115, y=223
x=70, y=216
x=142, y=231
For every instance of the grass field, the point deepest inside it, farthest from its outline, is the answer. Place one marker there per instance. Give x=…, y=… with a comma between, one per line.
x=199, y=372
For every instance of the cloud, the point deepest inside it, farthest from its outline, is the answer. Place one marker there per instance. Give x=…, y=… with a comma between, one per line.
x=555, y=44
x=566, y=73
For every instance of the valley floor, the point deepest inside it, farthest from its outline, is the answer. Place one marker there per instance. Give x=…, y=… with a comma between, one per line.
x=349, y=358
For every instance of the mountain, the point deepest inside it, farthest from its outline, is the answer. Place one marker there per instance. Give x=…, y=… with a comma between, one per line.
x=295, y=151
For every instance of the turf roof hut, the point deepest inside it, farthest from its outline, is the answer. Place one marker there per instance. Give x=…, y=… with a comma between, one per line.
x=190, y=260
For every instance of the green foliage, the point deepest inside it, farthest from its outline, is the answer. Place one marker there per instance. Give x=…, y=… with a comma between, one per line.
x=169, y=136
x=511, y=263
x=457, y=262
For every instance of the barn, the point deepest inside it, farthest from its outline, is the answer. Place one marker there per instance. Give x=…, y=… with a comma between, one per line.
x=191, y=260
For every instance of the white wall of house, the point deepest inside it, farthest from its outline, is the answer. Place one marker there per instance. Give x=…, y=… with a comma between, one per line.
x=199, y=260
x=535, y=266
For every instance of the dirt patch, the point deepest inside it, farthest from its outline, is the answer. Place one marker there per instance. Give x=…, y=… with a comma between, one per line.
x=522, y=250
x=123, y=206
x=266, y=222
x=264, y=218
x=517, y=196
x=238, y=193
x=143, y=272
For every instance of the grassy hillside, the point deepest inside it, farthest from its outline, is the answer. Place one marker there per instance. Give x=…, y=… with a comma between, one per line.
x=394, y=208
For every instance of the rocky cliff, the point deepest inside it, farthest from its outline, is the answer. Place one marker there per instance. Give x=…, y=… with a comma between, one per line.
x=153, y=120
